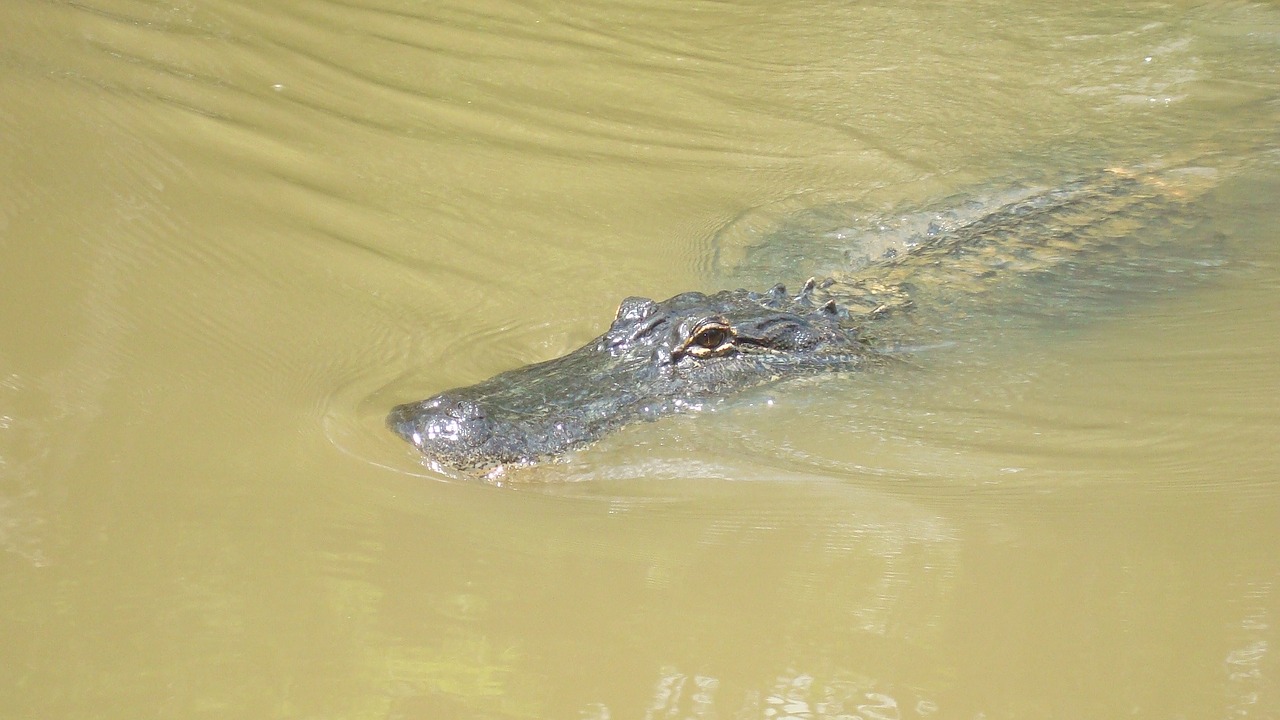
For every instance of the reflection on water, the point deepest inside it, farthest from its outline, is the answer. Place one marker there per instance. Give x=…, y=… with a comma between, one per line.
x=233, y=234
x=798, y=697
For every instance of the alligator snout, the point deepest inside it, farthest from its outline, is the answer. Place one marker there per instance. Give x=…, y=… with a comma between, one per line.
x=444, y=420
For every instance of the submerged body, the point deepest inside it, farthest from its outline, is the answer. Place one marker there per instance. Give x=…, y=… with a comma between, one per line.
x=659, y=358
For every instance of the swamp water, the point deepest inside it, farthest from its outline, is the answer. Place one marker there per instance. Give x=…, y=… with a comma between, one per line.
x=232, y=232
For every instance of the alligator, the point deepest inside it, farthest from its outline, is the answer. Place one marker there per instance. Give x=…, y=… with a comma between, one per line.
x=659, y=358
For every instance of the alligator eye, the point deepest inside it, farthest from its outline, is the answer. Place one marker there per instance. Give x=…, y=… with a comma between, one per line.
x=713, y=338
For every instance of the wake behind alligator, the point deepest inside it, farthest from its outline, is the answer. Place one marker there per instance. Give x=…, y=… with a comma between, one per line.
x=659, y=358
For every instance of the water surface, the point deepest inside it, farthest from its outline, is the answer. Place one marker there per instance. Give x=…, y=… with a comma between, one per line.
x=233, y=234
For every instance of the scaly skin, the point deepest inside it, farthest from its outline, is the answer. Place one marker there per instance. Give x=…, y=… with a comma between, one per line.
x=656, y=359
x=659, y=358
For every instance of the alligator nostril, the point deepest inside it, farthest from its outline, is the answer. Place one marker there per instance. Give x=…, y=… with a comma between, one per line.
x=447, y=405
x=466, y=410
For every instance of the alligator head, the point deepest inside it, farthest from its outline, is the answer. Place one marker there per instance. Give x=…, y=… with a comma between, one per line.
x=657, y=358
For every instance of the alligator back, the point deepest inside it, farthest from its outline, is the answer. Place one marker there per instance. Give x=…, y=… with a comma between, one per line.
x=1105, y=232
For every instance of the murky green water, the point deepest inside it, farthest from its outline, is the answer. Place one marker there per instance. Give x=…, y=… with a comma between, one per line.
x=232, y=234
